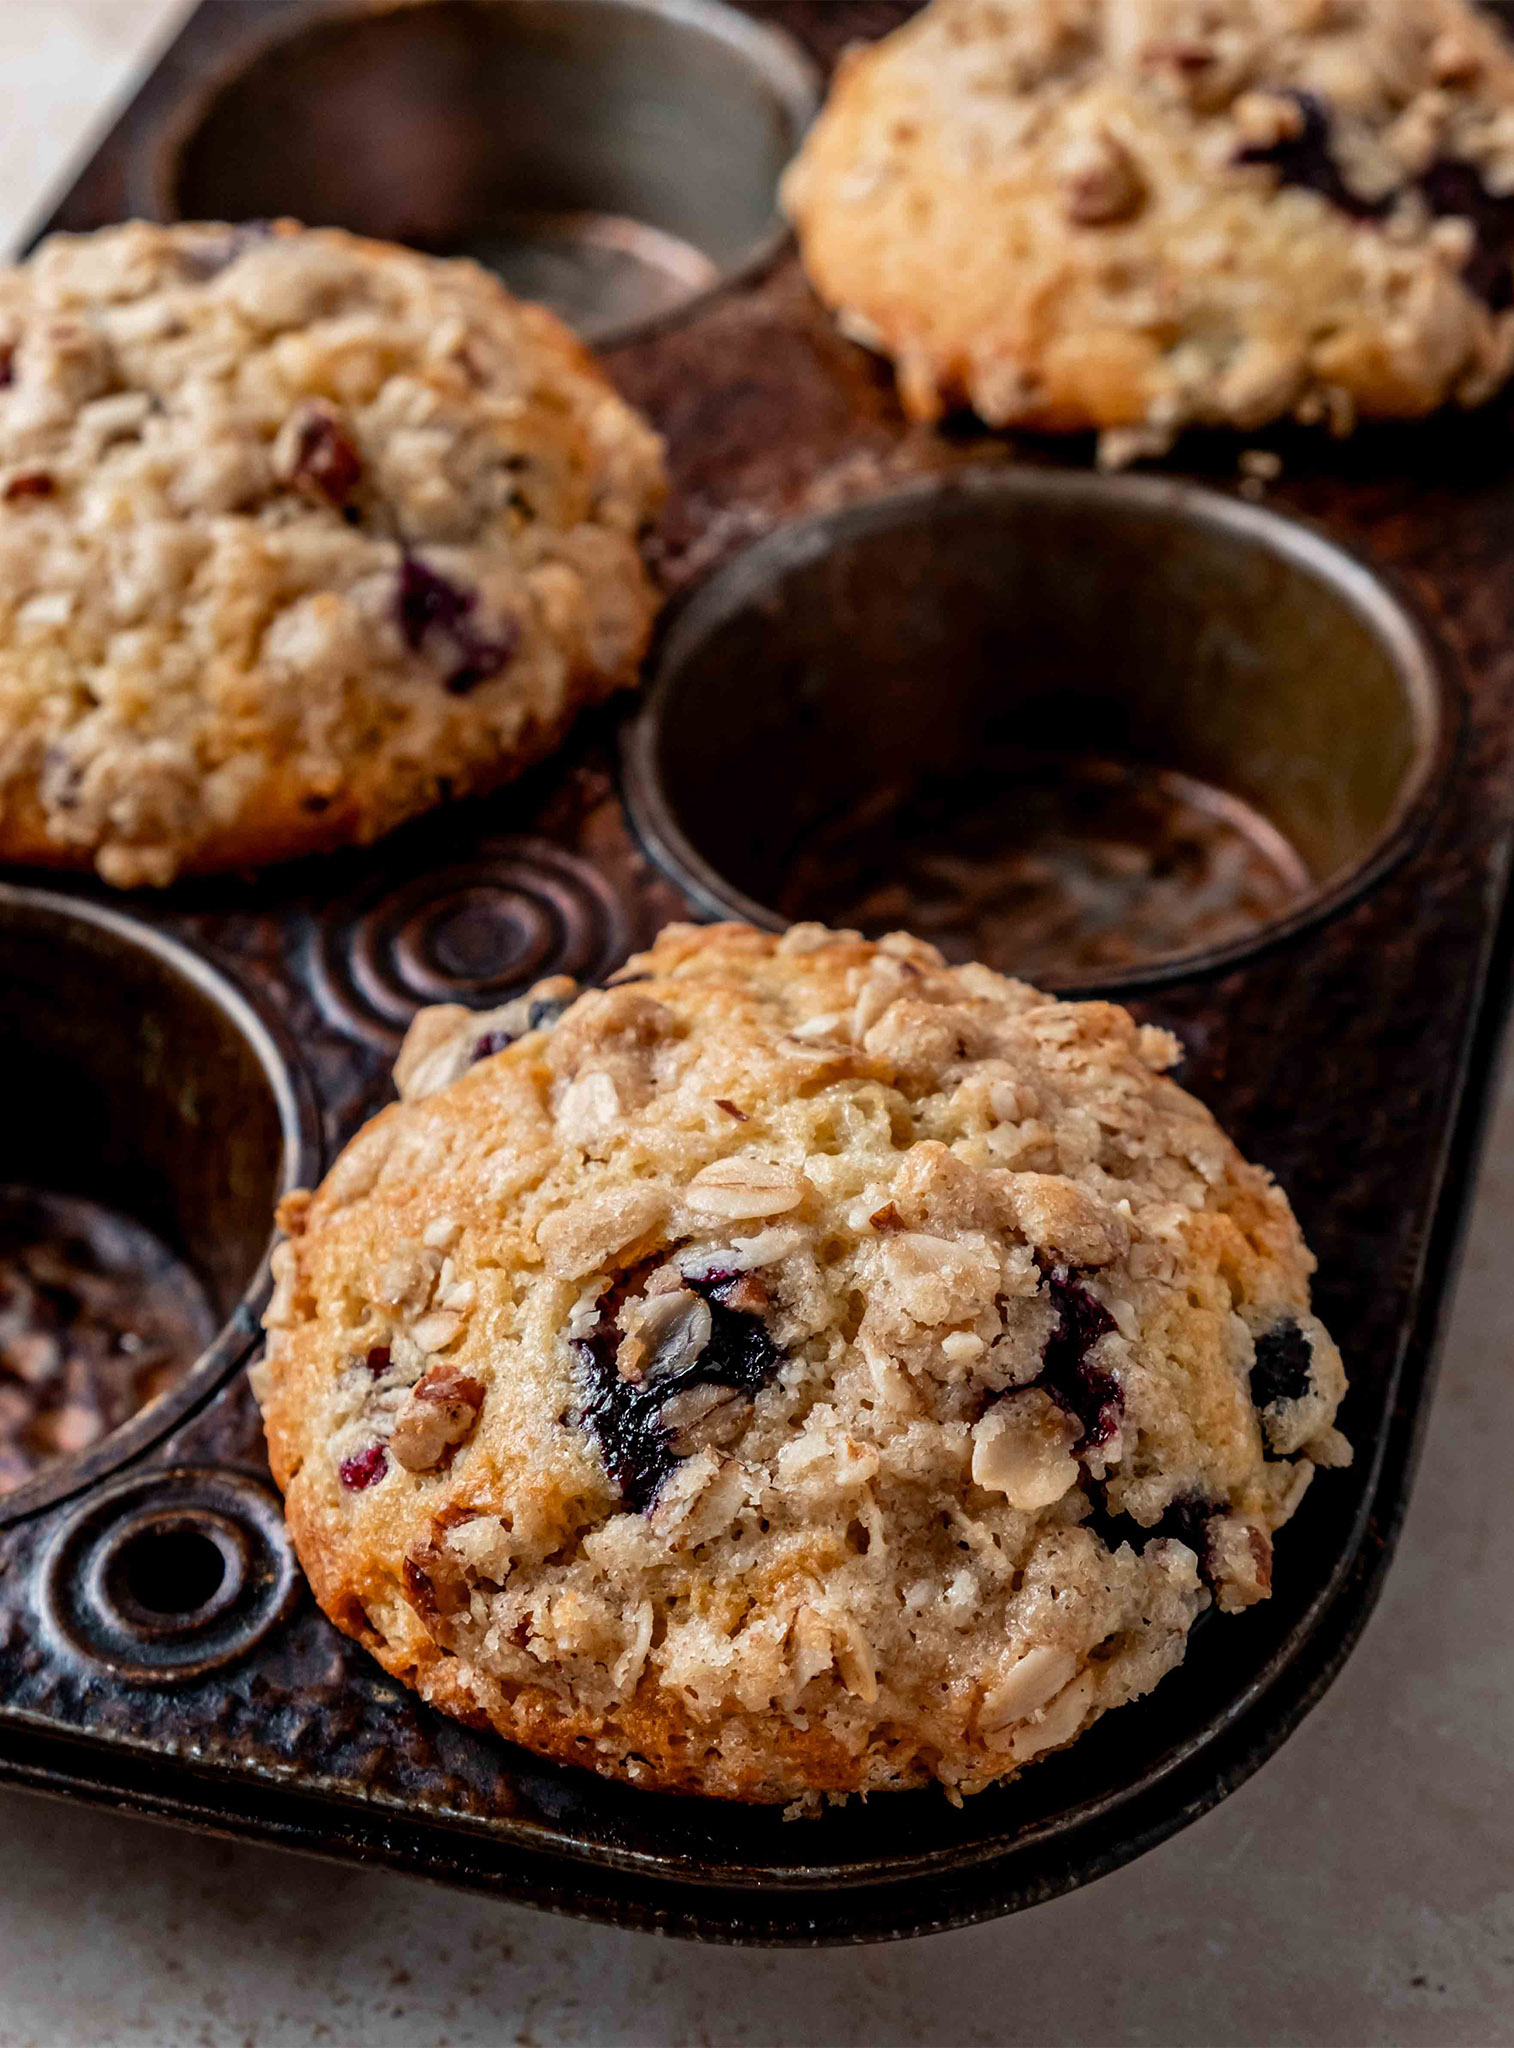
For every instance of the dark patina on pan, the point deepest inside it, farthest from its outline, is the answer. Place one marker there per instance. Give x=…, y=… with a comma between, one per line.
x=157, y=1651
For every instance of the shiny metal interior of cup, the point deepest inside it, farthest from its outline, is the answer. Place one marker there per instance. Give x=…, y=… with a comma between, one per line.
x=1267, y=720
x=617, y=159
x=152, y=1126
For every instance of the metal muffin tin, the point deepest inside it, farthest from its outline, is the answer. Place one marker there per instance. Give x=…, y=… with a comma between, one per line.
x=213, y=1044
x=615, y=158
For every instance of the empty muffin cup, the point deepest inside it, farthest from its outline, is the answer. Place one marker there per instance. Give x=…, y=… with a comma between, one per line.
x=152, y=1126
x=1094, y=731
x=615, y=158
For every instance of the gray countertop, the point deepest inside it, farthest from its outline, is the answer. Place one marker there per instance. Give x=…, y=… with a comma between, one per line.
x=1359, y=1890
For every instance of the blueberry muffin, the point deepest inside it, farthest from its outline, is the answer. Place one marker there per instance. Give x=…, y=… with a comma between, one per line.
x=798, y=1368
x=298, y=533
x=1133, y=215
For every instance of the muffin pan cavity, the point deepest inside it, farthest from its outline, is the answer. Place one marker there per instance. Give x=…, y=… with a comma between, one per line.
x=615, y=158
x=1092, y=731
x=152, y=1126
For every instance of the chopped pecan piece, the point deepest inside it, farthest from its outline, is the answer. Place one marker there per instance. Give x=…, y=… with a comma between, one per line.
x=1100, y=181
x=435, y=1583
x=439, y=1411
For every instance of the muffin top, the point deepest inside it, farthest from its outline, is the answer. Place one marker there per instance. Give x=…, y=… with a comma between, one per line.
x=800, y=1367
x=298, y=532
x=1136, y=214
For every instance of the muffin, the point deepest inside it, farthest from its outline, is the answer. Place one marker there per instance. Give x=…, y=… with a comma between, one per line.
x=1137, y=215
x=799, y=1368
x=299, y=534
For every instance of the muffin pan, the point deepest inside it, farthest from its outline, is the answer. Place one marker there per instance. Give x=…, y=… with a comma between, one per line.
x=1327, y=679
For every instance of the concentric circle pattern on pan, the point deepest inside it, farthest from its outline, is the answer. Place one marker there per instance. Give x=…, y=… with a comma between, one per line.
x=299, y=534
x=1133, y=215
x=798, y=1368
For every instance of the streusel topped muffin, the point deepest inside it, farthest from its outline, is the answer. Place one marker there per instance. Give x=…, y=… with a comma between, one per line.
x=298, y=534
x=1137, y=214
x=800, y=1367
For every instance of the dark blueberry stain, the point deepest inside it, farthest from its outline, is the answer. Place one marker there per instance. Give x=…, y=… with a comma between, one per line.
x=484, y=658
x=1284, y=1365
x=1086, y=1392
x=7, y=363
x=377, y=1360
x=426, y=600
x=1186, y=1519
x=543, y=1013
x=1453, y=189
x=1306, y=159
x=427, y=604
x=625, y=1416
x=364, y=1468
